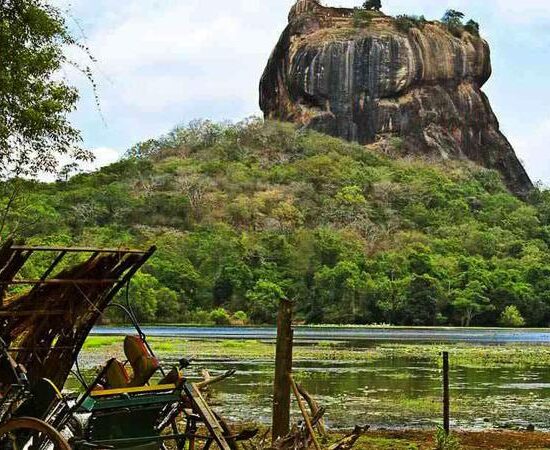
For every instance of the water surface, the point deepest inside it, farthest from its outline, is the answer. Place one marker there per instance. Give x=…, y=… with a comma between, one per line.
x=349, y=334
x=390, y=392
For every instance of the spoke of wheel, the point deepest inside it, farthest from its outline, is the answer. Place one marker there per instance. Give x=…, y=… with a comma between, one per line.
x=35, y=442
x=13, y=440
x=28, y=433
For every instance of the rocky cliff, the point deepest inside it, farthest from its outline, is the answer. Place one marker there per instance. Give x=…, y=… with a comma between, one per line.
x=365, y=82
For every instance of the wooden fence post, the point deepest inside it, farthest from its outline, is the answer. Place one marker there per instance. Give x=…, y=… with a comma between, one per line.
x=283, y=369
x=446, y=395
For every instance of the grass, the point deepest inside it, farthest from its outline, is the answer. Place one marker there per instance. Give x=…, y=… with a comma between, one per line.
x=392, y=404
x=382, y=443
x=415, y=440
x=95, y=342
x=462, y=355
x=426, y=405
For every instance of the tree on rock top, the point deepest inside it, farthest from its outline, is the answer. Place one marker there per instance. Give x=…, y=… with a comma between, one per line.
x=453, y=17
x=373, y=5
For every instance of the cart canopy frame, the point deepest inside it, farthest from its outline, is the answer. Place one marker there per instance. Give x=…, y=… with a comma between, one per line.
x=45, y=326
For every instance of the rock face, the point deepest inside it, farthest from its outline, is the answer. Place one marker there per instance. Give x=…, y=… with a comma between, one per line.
x=423, y=85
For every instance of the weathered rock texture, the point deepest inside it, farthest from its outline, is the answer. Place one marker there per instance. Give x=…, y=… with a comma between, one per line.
x=361, y=83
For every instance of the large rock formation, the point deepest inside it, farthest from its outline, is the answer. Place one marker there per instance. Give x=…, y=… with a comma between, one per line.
x=360, y=83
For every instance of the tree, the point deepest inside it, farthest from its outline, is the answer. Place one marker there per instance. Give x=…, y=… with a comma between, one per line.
x=34, y=101
x=66, y=171
x=421, y=307
x=144, y=297
x=472, y=27
x=342, y=292
x=453, y=20
x=391, y=297
x=511, y=317
x=452, y=16
x=373, y=5
x=471, y=301
x=220, y=317
x=264, y=301
x=168, y=305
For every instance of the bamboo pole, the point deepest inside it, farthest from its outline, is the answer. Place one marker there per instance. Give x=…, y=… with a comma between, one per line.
x=302, y=407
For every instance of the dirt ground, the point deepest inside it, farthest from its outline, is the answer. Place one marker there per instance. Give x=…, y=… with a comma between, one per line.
x=411, y=439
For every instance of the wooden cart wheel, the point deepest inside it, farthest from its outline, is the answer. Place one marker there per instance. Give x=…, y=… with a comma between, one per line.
x=28, y=433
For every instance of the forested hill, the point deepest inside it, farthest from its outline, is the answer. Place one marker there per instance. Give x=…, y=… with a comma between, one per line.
x=246, y=214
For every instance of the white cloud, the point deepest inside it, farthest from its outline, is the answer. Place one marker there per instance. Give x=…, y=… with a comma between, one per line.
x=161, y=54
x=534, y=150
x=103, y=157
x=161, y=62
x=522, y=12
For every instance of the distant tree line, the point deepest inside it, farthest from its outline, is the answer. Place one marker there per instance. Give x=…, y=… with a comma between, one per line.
x=246, y=214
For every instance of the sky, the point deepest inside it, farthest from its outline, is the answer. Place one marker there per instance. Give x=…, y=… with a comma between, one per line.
x=161, y=63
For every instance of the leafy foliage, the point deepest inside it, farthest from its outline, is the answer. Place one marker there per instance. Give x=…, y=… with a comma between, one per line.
x=511, y=317
x=404, y=22
x=374, y=5
x=34, y=102
x=444, y=441
x=245, y=214
x=453, y=21
x=472, y=27
x=362, y=18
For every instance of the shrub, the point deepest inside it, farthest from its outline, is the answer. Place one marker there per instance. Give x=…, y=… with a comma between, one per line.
x=200, y=317
x=362, y=18
x=404, y=23
x=373, y=5
x=220, y=317
x=453, y=21
x=240, y=318
x=444, y=441
x=472, y=27
x=511, y=317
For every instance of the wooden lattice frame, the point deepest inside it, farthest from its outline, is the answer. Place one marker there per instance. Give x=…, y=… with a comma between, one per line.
x=46, y=326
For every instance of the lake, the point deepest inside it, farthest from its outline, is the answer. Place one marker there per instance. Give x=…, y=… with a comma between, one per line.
x=349, y=334
x=393, y=392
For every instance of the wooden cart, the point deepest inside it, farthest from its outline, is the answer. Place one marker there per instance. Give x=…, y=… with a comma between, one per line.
x=42, y=331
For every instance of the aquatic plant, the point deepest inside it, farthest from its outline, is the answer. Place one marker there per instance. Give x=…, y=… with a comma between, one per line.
x=446, y=441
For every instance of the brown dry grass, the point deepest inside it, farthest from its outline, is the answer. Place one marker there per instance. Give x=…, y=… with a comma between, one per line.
x=490, y=440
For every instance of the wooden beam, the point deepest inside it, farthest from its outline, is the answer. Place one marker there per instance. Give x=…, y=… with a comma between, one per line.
x=60, y=281
x=283, y=369
x=207, y=415
x=79, y=249
x=43, y=312
x=307, y=420
x=53, y=265
x=133, y=390
x=314, y=407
